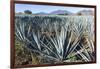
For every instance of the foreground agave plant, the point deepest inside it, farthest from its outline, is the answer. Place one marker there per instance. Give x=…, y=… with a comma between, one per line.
x=57, y=39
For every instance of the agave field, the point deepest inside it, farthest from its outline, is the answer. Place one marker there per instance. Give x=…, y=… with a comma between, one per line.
x=51, y=39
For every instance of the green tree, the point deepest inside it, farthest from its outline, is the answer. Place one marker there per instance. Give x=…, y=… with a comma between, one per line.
x=27, y=12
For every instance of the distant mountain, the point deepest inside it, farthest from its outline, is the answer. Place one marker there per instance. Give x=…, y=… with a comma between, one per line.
x=85, y=12
x=41, y=13
x=57, y=12
x=61, y=12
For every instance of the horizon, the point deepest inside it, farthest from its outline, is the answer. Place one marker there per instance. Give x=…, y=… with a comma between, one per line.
x=47, y=8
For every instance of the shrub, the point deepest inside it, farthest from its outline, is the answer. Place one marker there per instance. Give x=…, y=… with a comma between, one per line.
x=27, y=12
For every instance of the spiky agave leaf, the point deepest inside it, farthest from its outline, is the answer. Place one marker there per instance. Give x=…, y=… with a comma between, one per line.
x=63, y=43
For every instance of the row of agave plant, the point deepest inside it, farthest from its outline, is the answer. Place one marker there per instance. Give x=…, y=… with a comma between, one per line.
x=57, y=38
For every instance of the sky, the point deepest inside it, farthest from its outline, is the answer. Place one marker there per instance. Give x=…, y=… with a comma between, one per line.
x=46, y=8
